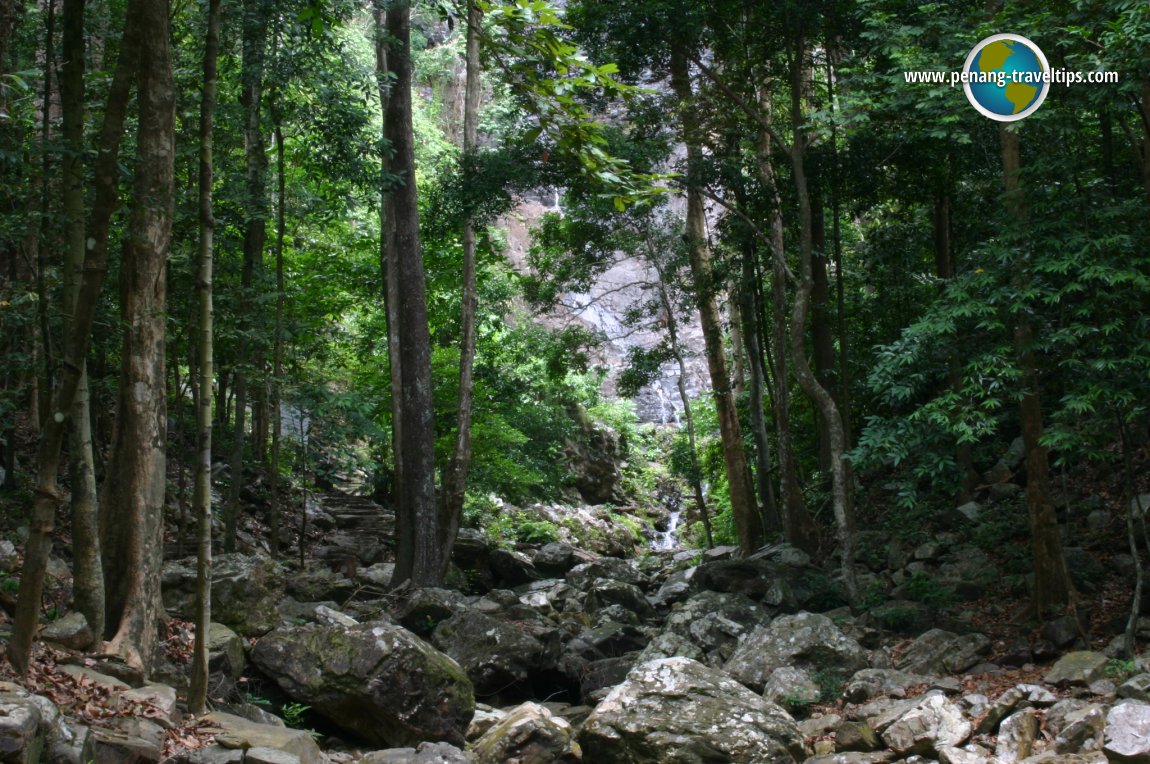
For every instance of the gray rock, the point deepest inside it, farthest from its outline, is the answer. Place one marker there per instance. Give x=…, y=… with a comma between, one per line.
x=1127, y=735
x=1016, y=736
x=484, y=719
x=670, y=645
x=605, y=591
x=1099, y=520
x=1136, y=688
x=872, y=682
x=676, y=588
x=159, y=699
x=1050, y=757
x=930, y=723
x=970, y=754
x=804, y=640
x=942, y=652
x=529, y=734
x=678, y=710
x=496, y=655
x=1017, y=697
x=112, y=746
x=556, y=559
x=9, y=560
x=71, y=631
x=246, y=591
x=378, y=681
x=22, y=738
x=1140, y=502
x=426, y=753
x=512, y=568
x=852, y=757
x=241, y=734
x=791, y=687
x=856, y=736
x=1077, y=726
x=714, y=622
x=424, y=609
x=1077, y=669
x=225, y=651
x=583, y=575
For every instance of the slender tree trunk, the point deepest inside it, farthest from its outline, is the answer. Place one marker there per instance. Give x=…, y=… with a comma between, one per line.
x=1052, y=585
x=420, y=554
x=202, y=497
x=133, y=512
x=808, y=382
x=822, y=339
x=798, y=527
x=748, y=522
x=750, y=314
x=88, y=576
x=455, y=479
x=257, y=16
x=248, y=356
x=105, y=199
x=278, y=346
x=390, y=273
x=38, y=226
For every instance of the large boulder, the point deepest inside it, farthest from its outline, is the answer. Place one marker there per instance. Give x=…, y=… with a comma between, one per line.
x=923, y=726
x=1128, y=733
x=22, y=738
x=805, y=640
x=714, y=622
x=678, y=710
x=1077, y=669
x=497, y=656
x=943, y=652
x=246, y=591
x=237, y=733
x=376, y=680
x=529, y=734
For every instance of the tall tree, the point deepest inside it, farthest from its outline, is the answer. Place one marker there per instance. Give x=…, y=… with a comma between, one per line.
x=88, y=577
x=1052, y=585
x=104, y=201
x=748, y=522
x=256, y=18
x=419, y=552
x=202, y=492
x=455, y=476
x=133, y=510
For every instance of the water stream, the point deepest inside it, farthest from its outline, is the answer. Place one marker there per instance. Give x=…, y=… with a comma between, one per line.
x=666, y=540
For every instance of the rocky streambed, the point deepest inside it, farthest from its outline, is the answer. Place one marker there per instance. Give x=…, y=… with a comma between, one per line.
x=552, y=653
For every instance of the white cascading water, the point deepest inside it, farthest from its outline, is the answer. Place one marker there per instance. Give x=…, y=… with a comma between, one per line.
x=666, y=540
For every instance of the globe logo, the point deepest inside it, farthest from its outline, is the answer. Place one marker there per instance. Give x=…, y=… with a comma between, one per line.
x=1006, y=77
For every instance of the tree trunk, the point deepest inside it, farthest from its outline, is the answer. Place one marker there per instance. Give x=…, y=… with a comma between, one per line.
x=132, y=527
x=419, y=556
x=390, y=273
x=822, y=339
x=278, y=347
x=248, y=356
x=104, y=201
x=748, y=522
x=88, y=577
x=798, y=527
x=1052, y=585
x=455, y=479
x=751, y=329
x=202, y=496
x=808, y=382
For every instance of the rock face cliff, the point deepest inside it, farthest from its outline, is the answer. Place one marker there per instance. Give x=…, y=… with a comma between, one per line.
x=603, y=309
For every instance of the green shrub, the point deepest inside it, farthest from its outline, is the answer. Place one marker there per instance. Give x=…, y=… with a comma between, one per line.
x=922, y=587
